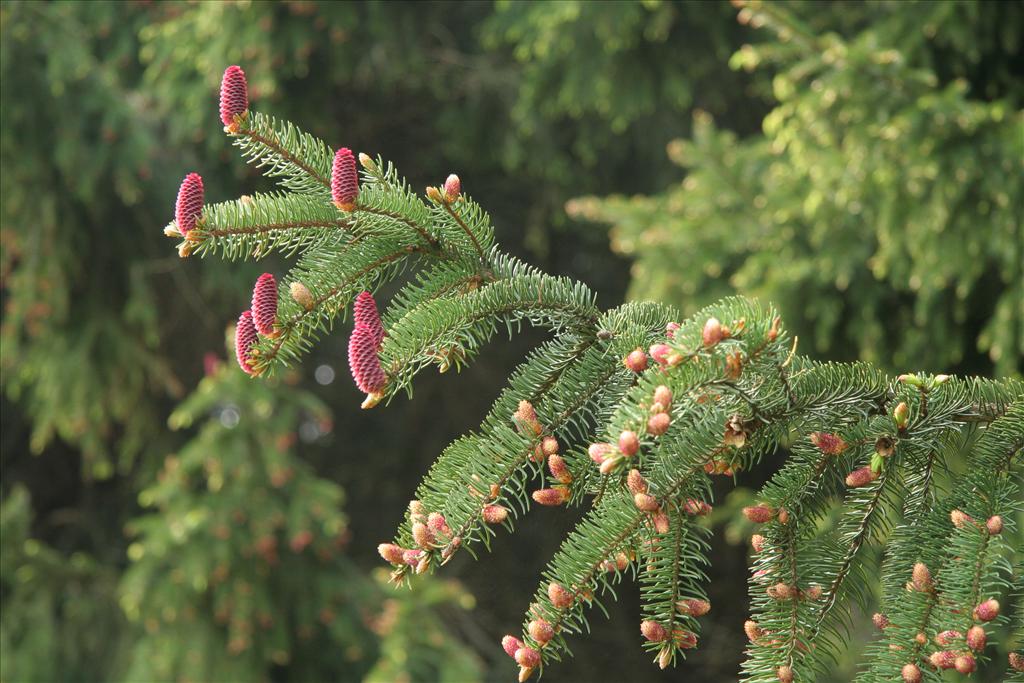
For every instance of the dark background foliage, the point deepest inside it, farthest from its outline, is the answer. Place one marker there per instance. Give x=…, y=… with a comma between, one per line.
x=106, y=106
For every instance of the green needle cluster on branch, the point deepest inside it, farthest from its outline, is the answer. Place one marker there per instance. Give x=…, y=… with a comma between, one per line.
x=631, y=413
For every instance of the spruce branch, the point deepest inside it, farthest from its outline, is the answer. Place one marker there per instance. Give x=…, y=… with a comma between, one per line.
x=632, y=413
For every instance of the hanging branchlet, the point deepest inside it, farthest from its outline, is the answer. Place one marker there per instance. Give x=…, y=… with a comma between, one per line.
x=629, y=413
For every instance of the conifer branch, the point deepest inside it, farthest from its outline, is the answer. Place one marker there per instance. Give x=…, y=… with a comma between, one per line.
x=666, y=406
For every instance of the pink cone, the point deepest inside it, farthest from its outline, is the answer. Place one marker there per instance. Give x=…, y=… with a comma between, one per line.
x=264, y=304
x=245, y=339
x=363, y=360
x=344, y=180
x=234, y=95
x=189, y=206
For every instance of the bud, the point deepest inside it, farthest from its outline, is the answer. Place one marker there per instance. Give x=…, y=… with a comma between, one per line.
x=422, y=535
x=367, y=162
x=494, y=514
x=860, y=477
x=416, y=510
x=301, y=295
x=171, y=230
x=939, y=379
x=653, y=631
x=540, y=631
x=783, y=516
x=759, y=514
x=910, y=380
x=599, y=451
x=423, y=565
x=645, y=502
x=636, y=360
x=910, y=673
x=964, y=664
x=635, y=482
x=549, y=445
x=344, y=180
x=621, y=561
x=921, y=639
x=434, y=194
x=264, y=304
x=670, y=330
x=813, y=592
x=901, y=415
x=959, y=518
x=663, y=395
x=661, y=522
x=559, y=597
x=696, y=508
x=943, y=659
x=781, y=591
x=554, y=496
x=1016, y=661
x=391, y=553
x=510, y=644
x=364, y=312
x=629, y=444
x=693, y=607
x=189, y=206
x=664, y=657
x=735, y=432
x=452, y=188
x=525, y=418
x=994, y=525
x=773, y=333
x=683, y=639
x=785, y=674
x=946, y=638
x=234, y=98
x=884, y=446
x=659, y=352
x=880, y=620
x=611, y=464
x=976, y=638
x=658, y=424
x=752, y=630
x=363, y=361
x=987, y=611
x=828, y=443
x=437, y=523
x=527, y=657
x=245, y=339
x=524, y=673
x=411, y=557
x=757, y=542
x=712, y=332
x=921, y=578
x=559, y=470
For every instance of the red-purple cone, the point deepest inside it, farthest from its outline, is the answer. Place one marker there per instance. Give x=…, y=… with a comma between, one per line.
x=189, y=206
x=364, y=310
x=264, y=304
x=344, y=180
x=245, y=338
x=363, y=360
x=234, y=96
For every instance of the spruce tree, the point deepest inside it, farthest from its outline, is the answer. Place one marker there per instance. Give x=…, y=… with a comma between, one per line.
x=884, y=189
x=631, y=412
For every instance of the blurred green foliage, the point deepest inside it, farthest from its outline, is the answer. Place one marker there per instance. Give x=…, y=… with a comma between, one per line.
x=880, y=208
x=107, y=105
